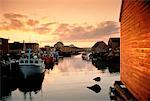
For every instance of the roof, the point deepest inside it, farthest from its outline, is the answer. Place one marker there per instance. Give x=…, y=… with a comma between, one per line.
x=115, y=39
x=66, y=46
x=31, y=43
x=4, y=39
x=72, y=45
x=22, y=43
x=60, y=43
x=121, y=10
x=97, y=43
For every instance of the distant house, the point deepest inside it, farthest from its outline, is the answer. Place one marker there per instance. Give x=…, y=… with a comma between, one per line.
x=74, y=49
x=114, y=43
x=17, y=47
x=59, y=46
x=100, y=47
x=33, y=46
x=66, y=49
x=4, y=46
x=48, y=48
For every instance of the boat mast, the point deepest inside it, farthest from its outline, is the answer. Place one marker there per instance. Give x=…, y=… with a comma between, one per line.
x=29, y=55
x=24, y=46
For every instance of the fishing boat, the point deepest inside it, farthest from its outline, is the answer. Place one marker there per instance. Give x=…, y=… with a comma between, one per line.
x=48, y=60
x=29, y=63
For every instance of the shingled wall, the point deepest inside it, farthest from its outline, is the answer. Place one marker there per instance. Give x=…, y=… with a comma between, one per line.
x=135, y=47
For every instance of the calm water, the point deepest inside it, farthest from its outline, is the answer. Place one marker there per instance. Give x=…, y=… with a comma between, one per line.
x=67, y=81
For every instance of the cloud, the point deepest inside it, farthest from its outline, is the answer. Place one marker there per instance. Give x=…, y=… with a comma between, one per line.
x=32, y=22
x=15, y=24
x=48, y=24
x=63, y=28
x=11, y=24
x=64, y=31
x=89, y=32
x=13, y=15
x=42, y=30
x=12, y=21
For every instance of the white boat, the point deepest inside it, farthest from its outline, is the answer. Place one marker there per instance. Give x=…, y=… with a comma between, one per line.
x=31, y=64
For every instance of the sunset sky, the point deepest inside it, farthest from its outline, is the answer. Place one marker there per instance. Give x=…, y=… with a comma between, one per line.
x=78, y=22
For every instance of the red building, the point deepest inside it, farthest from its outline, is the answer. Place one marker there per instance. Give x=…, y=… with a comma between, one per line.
x=4, y=48
x=135, y=47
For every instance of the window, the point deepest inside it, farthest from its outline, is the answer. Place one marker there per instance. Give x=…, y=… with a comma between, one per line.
x=31, y=61
x=36, y=61
x=26, y=61
x=21, y=61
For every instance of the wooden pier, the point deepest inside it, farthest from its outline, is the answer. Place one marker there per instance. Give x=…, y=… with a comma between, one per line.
x=120, y=93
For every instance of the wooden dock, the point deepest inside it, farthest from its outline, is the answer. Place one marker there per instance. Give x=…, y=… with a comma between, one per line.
x=120, y=93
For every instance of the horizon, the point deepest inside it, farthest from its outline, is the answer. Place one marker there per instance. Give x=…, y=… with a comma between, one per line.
x=65, y=43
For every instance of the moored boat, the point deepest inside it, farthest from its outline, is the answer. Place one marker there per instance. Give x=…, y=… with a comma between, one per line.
x=30, y=64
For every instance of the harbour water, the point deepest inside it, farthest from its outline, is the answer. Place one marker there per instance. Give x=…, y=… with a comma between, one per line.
x=69, y=80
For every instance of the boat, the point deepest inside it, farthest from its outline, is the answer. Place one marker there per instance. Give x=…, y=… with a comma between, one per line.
x=55, y=54
x=29, y=63
x=48, y=60
x=86, y=56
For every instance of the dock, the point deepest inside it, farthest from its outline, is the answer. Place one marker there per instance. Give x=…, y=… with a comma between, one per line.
x=120, y=93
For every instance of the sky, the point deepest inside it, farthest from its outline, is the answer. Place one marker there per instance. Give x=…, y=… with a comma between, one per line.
x=78, y=22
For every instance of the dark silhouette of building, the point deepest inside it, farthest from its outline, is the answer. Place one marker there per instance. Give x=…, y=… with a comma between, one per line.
x=114, y=49
x=17, y=47
x=114, y=43
x=100, y=47
x=4, y=46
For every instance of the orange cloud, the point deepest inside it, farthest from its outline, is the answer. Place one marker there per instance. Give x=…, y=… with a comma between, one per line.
x=32, y=22
x=42, y=30
x=64, y=31
x=15, y=24
x=13, y=15
x=13, y=21
x=70, y=32
x=48, y=24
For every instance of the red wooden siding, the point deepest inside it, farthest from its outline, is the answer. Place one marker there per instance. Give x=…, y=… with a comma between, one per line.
x=135, y=47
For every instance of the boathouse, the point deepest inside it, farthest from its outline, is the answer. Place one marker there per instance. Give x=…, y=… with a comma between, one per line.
x=135, y=47
x=100, y=47
x=114, y=44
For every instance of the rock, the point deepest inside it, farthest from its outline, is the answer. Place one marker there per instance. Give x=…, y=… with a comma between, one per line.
x=97, y=79
x=96, y=88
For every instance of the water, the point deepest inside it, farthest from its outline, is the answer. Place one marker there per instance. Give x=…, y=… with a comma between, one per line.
x=67, y=81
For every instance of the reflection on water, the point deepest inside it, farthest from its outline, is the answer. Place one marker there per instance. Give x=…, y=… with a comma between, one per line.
x=69, y=80
x=31, y=84
x=103, y=65
x=114, y=67
x=16, y=80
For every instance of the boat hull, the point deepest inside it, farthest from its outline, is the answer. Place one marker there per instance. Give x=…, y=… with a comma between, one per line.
x=28, y=70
